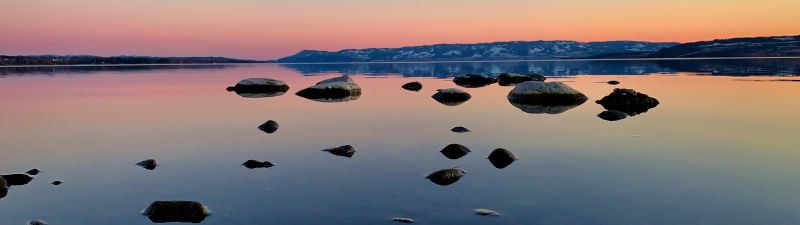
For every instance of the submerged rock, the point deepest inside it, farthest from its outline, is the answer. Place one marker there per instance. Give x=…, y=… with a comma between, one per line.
x=501, y=158
x=446, y=176
x=149, y=164
x=259, y=88
x=613, y=82
x=337, y=89
x=17, y=179
x=269, y=127
x=56, y=183
x=176, y=211
x=510, y=79
x=413, y=86
x=455, y=151
x=403, y=220
x=345, y=150
x=474, y=80
x=612, y=115
x=253, y=164
x=33, y=172
x=628, y=101
x=451, y=96
x=486, y=212
x=36, y=222
x=460, y=130
x=550, y=93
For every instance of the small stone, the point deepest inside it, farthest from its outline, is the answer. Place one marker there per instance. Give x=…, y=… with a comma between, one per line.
x=36, y=222
x=176, y=211
x=612, y=115
x=149, y=164
x=269, y=127
x=455, y=151
x=613, y=82
x=451, y=96
x=486, y=212
x=502, y=158
x=253, y=164
x=413, y=86
x=460, y=130
x=345, y=151
x=56, y=183
x=446, y=176
x=33, y=172
x=403, y=220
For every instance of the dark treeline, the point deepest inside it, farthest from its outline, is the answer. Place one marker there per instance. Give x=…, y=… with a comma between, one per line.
x=98, y=60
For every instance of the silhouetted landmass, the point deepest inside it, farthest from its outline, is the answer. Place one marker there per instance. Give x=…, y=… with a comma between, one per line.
x=780, y=46
x=6, y=60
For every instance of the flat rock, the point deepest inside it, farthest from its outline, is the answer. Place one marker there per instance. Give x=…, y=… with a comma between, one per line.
x=473, y=80
x=502, y=158
x=486, y=212
x=403, y=220
x=546, y=93
x=149, y=164
x=176, y=212
x=17, y=179
x=612, y=82
x=412, y=86
x=33, y=172
x=345, y=151
x=337, y=89
x=510, y=79
x=451, y=96
x=455, y=151
x=628, y=101
x=460, y=129
x=259, y=88
x=36, y=222
x=446, y=176
x=253, y=164
x=612, y=115
x=269, y=127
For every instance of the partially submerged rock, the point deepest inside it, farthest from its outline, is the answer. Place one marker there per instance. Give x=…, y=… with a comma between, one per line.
x=613, y=82
x=413, y=86
x=455, y=151
x=542, y=109
x=460, y=129
x=269, y=127
x=473, y=80
x=259, y=88
x=56, y=183
x=149, y=164
x=176, y=211
x=446, y=176
x=33, y=172
x=612, y=115
x=17, y=179
x=37, y=222
x=501, y=158
x=3, y=187
x=451, y=96
x=550, y=93
x=337, y=89
x=486, y=212
x=628, y=101
x=345, y=150
x=253, y=164
x=510, y=79
x=403, y=220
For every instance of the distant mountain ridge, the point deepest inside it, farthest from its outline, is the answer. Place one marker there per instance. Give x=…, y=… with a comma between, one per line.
x=95, y=60
x=777, y=46
x=512, y=50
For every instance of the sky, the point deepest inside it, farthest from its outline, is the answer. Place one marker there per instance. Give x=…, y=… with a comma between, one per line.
x=266, y=29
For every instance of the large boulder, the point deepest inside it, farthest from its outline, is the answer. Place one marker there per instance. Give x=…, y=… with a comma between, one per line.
x=628, y=101
x=501, y=158
x=337, y=89
x=511, y=79
x=259, y=88
x=451, y=96
x=17, y=179
x=550, y=93
x=176, y=212
x=345, y=151
x=413, y=86
x=446, y=176
x=473, y=80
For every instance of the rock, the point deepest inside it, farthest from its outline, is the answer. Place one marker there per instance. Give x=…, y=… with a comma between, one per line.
x=613, y=82
x=510, y=79
x=269, y=127
x=33, y=172
x=501, y=158
x=176, y=211
x=612, y=115
x=451, y=96
x=3, y=187
x=403, y=220
x=149, y=164
x=542, y=109
x=446, y=176
x=17, y=179
x=460, y=130
x=455, y=151
x=548, y=94
x=628, y=101
x=36, y=222
x=56, y=183
x=413, y=86
x=345, y=150
x=486, y=212
x=337, y=89
x=253, y=164
x=259, y=88
x=474, y=80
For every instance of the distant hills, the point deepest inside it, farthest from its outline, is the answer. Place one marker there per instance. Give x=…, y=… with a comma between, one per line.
x=779, y=46
x=514, y=50
x=98, y=60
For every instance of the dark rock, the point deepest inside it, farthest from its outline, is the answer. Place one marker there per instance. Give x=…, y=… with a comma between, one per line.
x=474, y=80
x=451, y=96
x=176, y=211
x=345, y=150
x=33, y=172
x=403, y=220
x=36, y=222
x=259, y=88
x=628, y=101
x=149, y=164
x=612, y=115
x=56, y=183
x=501, y=158
x=460, y=130
x=413, y=86
x=542, y=109
x=613, y=82
x=486, y=212
x=337, y=89
x=455, y=151
x=253, y=164
x=548, y=94
x=510, y=79
x=446, y=176
x=3, y=187
x=269, y=127
x=17, y=179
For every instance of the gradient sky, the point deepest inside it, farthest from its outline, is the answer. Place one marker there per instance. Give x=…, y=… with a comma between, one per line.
x=264, y=29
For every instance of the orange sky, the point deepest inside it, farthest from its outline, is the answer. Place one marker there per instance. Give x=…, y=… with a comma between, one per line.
x=262, y=29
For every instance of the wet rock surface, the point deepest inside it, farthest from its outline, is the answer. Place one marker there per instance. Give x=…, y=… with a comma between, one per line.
x=510, y=79
x=259, y=88
x=17, y=179
x=269, y=127
x=446, y=176
x=546, y=94
x=413, y=86
x=502, y=158
x=254, y=164
x=149, y=164
x=176, y=212
x=337, y=89
x=451, y=96
x=473, y=80
x=455, y=151
x=628, y=101
x=612, y=115
x=345, y=151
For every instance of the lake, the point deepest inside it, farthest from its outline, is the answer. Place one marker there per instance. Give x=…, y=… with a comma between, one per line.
x=719, y=149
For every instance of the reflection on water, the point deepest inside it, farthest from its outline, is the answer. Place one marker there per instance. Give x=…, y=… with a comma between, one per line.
x=716, y=150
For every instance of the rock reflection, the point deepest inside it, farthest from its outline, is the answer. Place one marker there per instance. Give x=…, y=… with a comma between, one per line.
x=502, y=158
x=628, y=101
x=259, y=88
x=345, y=151
x=446, y=176
x=455, y=151
x=176, y=212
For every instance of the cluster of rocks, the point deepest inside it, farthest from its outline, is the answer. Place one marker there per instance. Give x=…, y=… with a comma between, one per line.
x=9, y=180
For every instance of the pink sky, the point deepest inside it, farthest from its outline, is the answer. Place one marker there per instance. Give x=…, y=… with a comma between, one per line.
x=260, y=29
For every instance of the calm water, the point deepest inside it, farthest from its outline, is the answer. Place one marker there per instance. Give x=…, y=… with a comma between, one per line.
x=718, y=150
